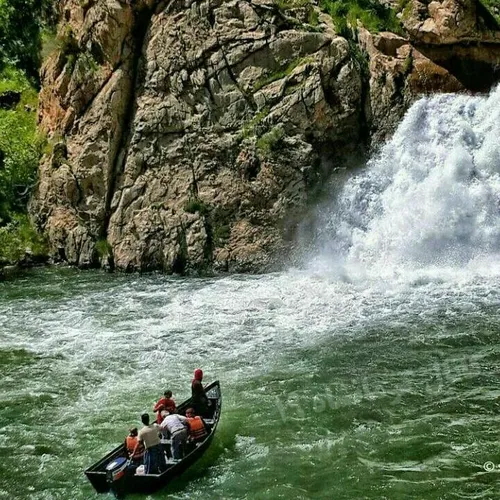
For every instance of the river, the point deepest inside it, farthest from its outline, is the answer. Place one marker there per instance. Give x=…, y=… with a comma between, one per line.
x=370, y=372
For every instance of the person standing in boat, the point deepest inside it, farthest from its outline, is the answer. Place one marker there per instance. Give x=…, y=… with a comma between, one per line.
x=149, y=437
x=199, y=399
x=175, y=426
x=135, y=450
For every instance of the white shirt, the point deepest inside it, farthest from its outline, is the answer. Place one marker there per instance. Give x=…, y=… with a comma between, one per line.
x=173, y=423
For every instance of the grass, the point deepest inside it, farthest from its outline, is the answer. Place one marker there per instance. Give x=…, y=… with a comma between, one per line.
x=408, y=64
x=282, y=72
x=249, y=129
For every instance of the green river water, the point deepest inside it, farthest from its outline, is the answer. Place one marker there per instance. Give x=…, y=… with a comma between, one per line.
x=331, y=389
x=371, y=373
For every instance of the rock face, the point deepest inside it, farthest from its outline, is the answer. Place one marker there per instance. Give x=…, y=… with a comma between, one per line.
x=192, y=135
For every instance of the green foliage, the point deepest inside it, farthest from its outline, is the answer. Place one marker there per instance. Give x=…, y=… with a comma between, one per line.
x=20, y=146
x=194, y=205
x=249, y=129
x=292, y=4
x=68, y=46
x=19, y=237
x=21, y=23
x=279, y=74
x=313, y=17
x=271, y=140
x=408, y=64
x=373, y=15
x=49, y=42
x=493, y=7
x=221, y=234
x=103, y=248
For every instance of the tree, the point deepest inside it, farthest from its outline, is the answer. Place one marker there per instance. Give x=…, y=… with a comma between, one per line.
x=21, y=24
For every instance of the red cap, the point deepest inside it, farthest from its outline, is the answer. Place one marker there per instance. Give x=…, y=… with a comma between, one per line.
x=198, y=374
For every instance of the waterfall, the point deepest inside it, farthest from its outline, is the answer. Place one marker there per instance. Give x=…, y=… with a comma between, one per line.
x=430, y=199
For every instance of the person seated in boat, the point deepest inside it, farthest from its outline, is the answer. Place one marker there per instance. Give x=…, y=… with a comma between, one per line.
x=176, y=427
x=134, y=449
x=197, y=428
x=199, y=399
x=165, y=403
x=149, y=437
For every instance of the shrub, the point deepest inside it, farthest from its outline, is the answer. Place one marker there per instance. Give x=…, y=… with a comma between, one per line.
x=250, y=127
x=493, y=6
x=20, y=145
x=271, y=140
x=19, y=237
x=194, y=205
x=68, y=46
x=21, y=23
x=221, y=234
x=408, y=64
x=373, y=15
x=103, y=248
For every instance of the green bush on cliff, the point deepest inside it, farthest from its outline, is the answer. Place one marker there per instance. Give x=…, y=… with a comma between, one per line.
x=373, y=15
x=194, y=205
x=271, y=140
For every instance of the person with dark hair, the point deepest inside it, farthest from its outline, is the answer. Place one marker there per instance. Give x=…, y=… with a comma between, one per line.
x=197, y=429
x=199, y=399
x=154, y=459
x=165, y=403
x=135, y=450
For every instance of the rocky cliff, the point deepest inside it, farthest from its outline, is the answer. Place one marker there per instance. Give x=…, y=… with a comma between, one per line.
x=194, y=135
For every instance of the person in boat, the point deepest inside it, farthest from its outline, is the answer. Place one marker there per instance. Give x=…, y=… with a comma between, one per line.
x=199, y=399
x=197, y=427
x=165, y=403
x=175, y=426
x=135, y=450
x=149, y=437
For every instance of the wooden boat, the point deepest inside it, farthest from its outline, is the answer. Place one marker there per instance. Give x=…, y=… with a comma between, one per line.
x=149, y=483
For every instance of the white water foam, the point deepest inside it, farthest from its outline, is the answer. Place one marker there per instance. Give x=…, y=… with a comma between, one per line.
x=429, y=203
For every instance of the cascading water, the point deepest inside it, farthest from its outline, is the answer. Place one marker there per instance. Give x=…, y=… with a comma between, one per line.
x=430, y=199
x=336, y=384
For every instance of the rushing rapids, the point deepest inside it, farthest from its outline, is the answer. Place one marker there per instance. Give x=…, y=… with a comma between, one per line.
x=372, y=373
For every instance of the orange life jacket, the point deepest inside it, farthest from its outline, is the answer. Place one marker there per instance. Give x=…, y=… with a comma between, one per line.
x=197, y=429
x=130, y=444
